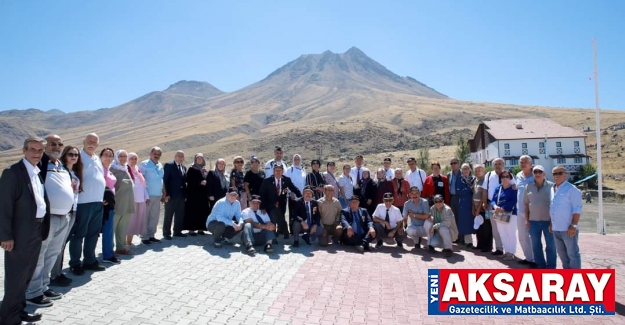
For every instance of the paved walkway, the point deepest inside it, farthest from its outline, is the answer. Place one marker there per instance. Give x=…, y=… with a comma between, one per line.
x=187, y=281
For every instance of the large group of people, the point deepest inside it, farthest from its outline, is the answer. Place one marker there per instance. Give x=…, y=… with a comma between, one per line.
x=61, y=194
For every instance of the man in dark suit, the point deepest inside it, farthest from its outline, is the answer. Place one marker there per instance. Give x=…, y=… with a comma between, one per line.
x=357, y=226
x=273, y=194
x=24, y=224
x=306, y=218
x=174, y=185
x=454, y=177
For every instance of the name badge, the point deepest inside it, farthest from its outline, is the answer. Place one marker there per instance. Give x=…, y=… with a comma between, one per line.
x=440, y=184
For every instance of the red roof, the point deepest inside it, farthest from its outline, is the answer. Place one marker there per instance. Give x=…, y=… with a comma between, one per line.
x=529, y=129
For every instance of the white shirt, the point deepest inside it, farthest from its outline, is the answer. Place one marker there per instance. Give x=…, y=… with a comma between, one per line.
x=248, y=214
x=297, y=176
x=269, y=167
x=390, y=173
x=416, y=178
x=93, y=182
x=355, y=172
x=347, y=185
x=58, y=186
x=493, y=181
x=393, y=213
x=38, y=190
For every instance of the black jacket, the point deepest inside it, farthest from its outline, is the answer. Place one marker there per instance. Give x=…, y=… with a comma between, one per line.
x=18, y=209
x=365, y=219
x=299, y=213
x=269, y=197
x=174, y=182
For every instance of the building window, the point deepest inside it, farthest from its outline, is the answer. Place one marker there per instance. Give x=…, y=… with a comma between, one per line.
x=524, y=145
x=576, y=143
x=506, y=146
x=561, y=160
x=514, y=162
x=559, y=144
x=541, y=145
x=578, y=160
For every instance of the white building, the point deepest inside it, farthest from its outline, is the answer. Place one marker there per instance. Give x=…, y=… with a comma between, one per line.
x=546, y=141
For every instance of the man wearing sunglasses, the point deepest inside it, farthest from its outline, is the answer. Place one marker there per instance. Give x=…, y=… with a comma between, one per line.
x=536, y=199
x=524, y=177
x=58, y=186
x=565, y=211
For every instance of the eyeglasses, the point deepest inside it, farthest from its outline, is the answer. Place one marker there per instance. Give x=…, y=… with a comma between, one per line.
x=72, y=155
x=538, y=172
x=56, y=144
x=438, y=201
x=454, y=163
x=558, y=173
x=238, y=161
x=507, y=176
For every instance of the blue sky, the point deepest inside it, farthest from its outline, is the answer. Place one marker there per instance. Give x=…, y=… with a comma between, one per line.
x=80, y=55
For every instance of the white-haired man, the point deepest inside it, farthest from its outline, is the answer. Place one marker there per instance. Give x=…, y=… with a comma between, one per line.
x=523, y=178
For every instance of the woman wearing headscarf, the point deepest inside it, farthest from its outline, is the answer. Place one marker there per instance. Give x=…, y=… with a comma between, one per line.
x=368, y=191
x=217, y=183
x=383, y=186
x=137, y=223
x=401, y=189
x=464, y=190
x=196, y=207
x=237, y=180
x=124, y=200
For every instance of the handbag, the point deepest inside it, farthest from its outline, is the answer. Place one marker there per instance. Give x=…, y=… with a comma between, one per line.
x=503, y=217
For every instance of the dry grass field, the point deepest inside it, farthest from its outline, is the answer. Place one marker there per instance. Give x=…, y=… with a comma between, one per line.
x=341, y=104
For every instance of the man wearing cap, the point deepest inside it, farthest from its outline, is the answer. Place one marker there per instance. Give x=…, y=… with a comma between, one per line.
x=444, y=230
x=273, y=193
x=415, y=176
x=258, y=228
x=330, y=211
x=269, y=166
x=330, y=178
x=225, y=221
x=356, y=172
x=358, y=229
x=523, y=178
x=388, y=171
x=306, y=218
x=565, y=211
x=536, y=199
x=388, y=222
x=418, y=210
x=315, y=179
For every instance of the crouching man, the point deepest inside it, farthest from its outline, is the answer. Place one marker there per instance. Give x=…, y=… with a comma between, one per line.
x=444, y=230
x=222, y=222
x=258, y=229
x=418, y=210
x=388, y=222
x=358, y=228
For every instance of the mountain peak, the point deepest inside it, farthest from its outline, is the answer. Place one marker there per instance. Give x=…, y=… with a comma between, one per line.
x=350, y=70
x=194, y=88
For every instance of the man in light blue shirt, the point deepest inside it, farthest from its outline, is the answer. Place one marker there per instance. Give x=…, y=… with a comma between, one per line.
x=524, y=177
x=565, y=211
x=153, y=172
x=225, y=220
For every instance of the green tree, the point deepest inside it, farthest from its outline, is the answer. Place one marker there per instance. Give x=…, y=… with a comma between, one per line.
x=463, y=151
x=586, y=171
x=424, y=159
x=515, y=170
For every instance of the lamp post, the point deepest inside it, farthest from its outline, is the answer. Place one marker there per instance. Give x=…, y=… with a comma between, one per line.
x=600, y=221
